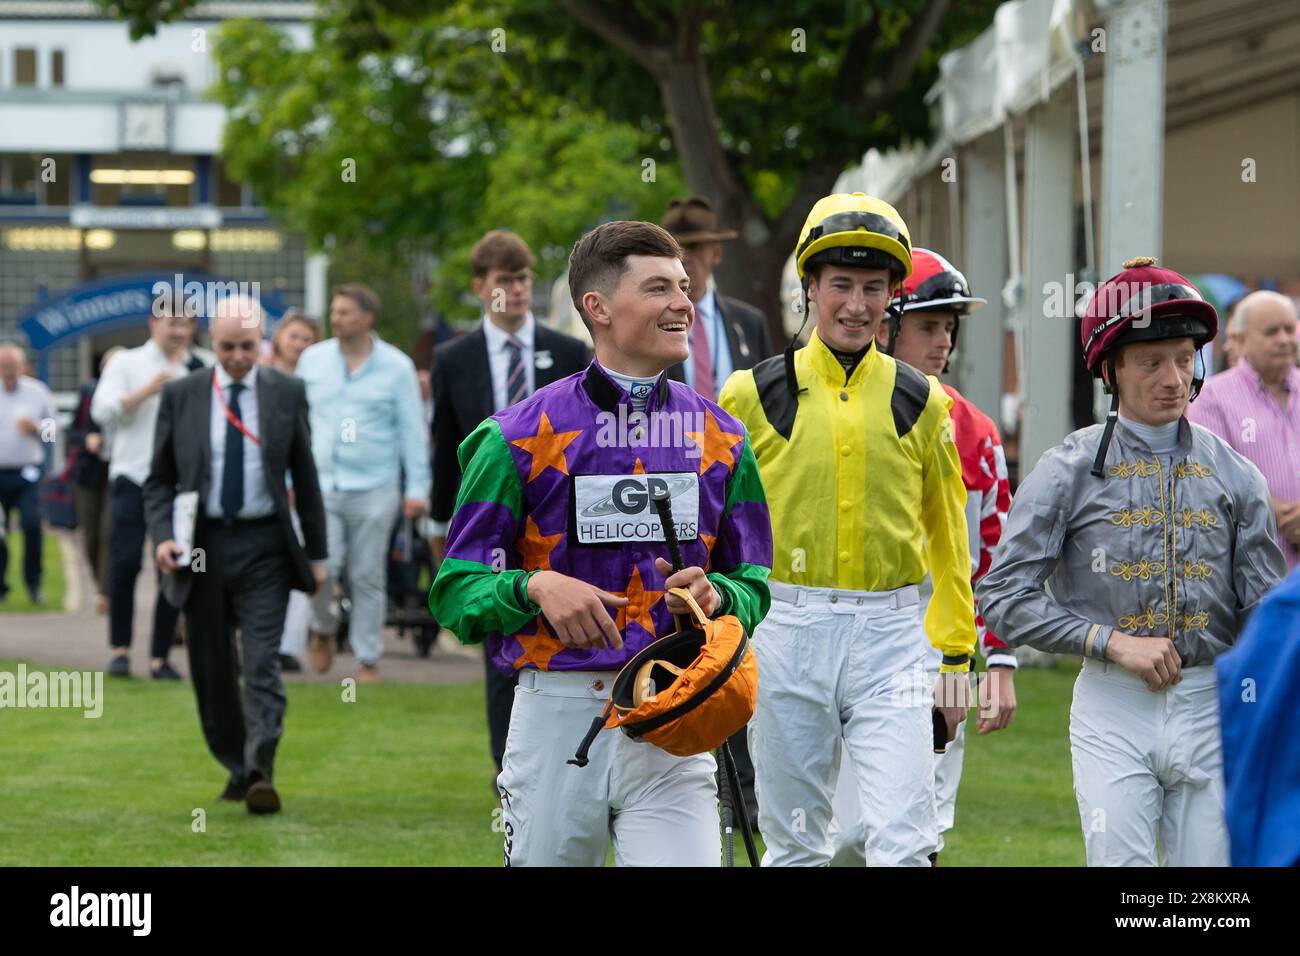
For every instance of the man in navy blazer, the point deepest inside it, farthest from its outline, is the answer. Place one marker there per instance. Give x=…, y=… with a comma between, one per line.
x=505, y=359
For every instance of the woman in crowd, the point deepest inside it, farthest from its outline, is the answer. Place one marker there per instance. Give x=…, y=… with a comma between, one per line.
x=294, y=333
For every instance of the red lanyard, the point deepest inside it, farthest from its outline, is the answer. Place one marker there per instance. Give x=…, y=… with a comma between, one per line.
x=230, y=416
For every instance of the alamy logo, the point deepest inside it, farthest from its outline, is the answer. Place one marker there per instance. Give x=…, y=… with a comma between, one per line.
x=103, y=909
x=657, y=429
x=200, y=300
x=77, y=690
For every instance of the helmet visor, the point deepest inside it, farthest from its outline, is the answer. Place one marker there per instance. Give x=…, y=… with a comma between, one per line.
x=852, y=222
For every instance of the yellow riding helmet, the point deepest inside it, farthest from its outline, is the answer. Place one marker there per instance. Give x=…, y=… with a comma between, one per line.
x=854, y=229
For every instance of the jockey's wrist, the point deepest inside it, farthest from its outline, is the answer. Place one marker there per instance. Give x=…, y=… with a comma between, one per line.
x=955, y=664
x=526, y=602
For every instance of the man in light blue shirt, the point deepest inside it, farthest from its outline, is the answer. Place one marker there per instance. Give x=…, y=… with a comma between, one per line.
x=372, y=458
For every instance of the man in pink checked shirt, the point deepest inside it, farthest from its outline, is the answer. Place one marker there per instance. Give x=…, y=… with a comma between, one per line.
x=1253, y=407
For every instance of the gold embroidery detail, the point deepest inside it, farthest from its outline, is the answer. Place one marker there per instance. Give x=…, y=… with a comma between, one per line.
x=1146, y=568
x=1128, y=570
x=1173, y=544
x=1171, y=552
x=1147, y=469
x=1190, y=517
x=1146, y=516
x=1149, y=619
x=1143, y=620
x=1139, y=469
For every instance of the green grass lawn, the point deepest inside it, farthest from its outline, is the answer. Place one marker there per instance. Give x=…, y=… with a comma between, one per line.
x=1016, y=803
x=51, y=574
x=401, y=777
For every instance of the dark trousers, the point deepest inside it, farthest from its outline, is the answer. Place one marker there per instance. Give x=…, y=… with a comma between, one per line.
x=126, y=539
x=92, y=520
x=17, y=492
x=500, y=698
x=245, y=588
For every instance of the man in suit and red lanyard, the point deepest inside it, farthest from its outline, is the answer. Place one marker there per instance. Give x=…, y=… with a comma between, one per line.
x=498, y=365
x=231, y=434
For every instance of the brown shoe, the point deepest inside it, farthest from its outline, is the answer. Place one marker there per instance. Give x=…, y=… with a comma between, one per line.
x=262, y=798
x=367, y=674
x=320, y=651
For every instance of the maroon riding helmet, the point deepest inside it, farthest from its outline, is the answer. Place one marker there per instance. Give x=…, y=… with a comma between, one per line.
x=1143, y=303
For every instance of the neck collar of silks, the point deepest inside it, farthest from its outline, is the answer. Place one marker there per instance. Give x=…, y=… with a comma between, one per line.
x=608, y=394
x=828, y=368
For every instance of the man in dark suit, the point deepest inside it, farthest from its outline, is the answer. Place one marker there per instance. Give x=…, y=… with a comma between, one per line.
x=231, y=434
x=727, y=334
x=507, y=358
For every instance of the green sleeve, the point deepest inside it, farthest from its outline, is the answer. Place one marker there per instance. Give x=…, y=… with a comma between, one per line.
x=748, y=537
x=471, y=596
x=744, y=593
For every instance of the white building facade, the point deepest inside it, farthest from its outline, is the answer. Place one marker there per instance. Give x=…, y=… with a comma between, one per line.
x=111, y=180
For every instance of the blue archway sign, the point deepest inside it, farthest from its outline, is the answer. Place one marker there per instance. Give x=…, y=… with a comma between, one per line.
x=110, y=303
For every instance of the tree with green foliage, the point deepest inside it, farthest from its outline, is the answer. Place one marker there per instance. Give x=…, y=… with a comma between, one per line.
x=392, y=274
x=380, y=150
x=761, y=105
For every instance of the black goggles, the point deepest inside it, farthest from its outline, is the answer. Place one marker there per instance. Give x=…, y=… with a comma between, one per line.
x=852, y=222
x=945, y=285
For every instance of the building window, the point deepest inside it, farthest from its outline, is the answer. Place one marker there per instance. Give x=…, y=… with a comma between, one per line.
x=57, y=191
x=35, y=180
x=141, y=179
x=25, y=66
x=18, y=180
x=56, y=68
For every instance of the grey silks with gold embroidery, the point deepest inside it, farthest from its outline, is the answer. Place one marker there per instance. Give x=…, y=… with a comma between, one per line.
x=1177, y=545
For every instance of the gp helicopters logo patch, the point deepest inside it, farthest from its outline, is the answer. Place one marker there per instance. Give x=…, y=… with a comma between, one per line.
x=613, y=508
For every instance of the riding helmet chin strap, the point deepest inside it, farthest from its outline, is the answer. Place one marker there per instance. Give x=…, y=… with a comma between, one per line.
x=1112, y=417
x=894, y=313
x=791, y=380
x=1198, y=377
x=952, y=343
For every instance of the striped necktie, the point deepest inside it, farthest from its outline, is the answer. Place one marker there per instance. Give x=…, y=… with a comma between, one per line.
x=516, y=380
x=703, y=356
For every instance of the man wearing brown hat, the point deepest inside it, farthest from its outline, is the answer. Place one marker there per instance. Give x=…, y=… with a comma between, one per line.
x=727, y=334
